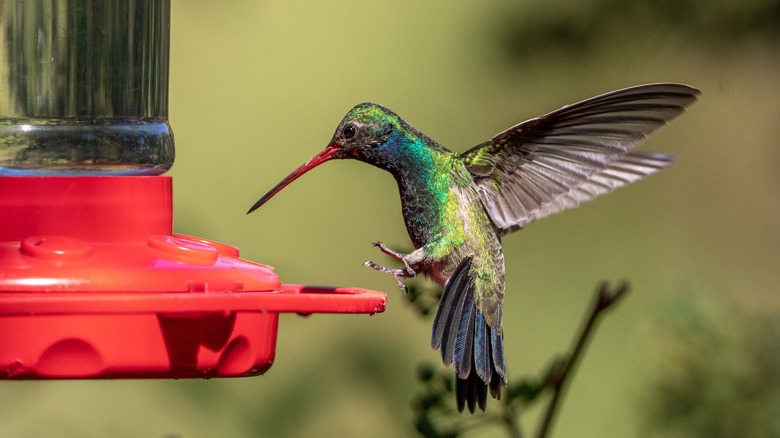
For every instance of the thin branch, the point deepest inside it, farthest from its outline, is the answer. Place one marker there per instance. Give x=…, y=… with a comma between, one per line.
x=603, y=300
x=511, y=423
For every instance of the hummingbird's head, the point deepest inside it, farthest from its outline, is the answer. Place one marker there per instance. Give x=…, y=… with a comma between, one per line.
x=366, y=128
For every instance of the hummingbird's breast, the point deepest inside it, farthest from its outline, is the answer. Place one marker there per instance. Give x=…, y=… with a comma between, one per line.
x=444, y=215
x=442, y=210
x=433, y=201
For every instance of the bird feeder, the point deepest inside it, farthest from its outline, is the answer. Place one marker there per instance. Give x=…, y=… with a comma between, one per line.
x=94, y=283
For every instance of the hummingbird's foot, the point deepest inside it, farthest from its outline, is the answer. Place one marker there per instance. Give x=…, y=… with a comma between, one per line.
x=398, y=256
x=398, y=274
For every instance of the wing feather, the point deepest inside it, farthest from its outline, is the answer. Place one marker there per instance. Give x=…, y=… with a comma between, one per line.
x=557, y=161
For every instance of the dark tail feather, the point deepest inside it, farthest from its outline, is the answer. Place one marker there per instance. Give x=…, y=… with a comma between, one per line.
x=464, y=345
x=467, y=342
x=499, y=362
x=442, y=322
x=472, y=391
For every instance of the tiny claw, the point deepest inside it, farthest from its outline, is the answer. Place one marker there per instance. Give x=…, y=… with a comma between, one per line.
x=398, y=274
x=409, y=272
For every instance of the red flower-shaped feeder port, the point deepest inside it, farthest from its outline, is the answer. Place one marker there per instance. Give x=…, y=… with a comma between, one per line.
x=94, y=284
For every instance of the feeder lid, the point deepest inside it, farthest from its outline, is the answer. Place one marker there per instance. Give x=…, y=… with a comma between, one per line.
x=163, y=263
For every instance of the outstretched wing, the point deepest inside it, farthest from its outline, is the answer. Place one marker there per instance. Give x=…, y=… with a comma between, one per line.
x=554, y=162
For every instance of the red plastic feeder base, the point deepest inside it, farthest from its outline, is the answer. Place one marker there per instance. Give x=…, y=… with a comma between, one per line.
x=93, y=284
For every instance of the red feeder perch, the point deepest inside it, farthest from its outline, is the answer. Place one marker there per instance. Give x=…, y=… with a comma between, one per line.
x=93, y=282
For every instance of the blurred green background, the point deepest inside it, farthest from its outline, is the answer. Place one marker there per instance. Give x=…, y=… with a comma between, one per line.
x=257, y=88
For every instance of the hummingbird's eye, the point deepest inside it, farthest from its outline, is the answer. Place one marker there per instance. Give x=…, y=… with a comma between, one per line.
x=348, y=131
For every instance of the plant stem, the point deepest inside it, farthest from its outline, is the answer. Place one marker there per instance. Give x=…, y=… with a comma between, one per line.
x=603, y=300
x=512, y=426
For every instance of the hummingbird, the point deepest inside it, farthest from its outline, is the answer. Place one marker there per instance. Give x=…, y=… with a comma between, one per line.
x=458, y=206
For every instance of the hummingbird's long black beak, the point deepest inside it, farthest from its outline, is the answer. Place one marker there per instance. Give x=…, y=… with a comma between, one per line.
x=326, y=155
